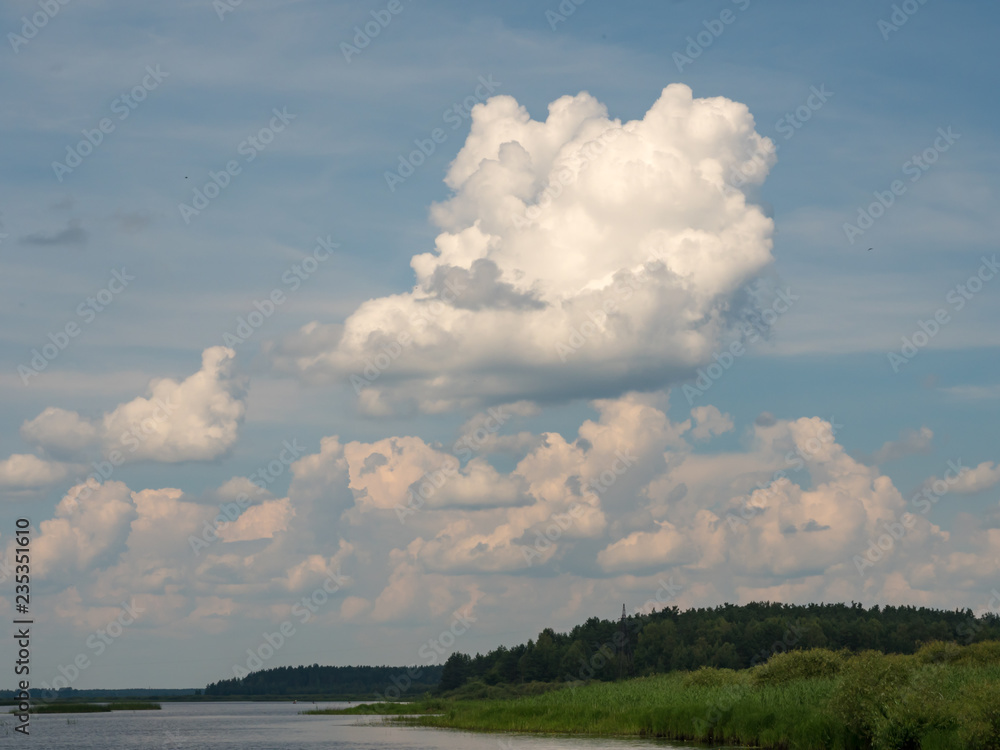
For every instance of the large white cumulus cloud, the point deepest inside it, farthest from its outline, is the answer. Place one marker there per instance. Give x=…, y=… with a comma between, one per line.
x=578, y=257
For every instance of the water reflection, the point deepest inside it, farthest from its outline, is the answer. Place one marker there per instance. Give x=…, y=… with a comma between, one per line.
x=269, y=726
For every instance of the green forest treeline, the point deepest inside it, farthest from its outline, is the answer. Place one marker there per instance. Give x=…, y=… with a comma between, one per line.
x=728, y=636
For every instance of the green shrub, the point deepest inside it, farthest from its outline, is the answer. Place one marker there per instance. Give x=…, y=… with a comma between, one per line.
x=797, y=665
x=869, y=688
x=938, y=652
x=712, y=677
x=984, y=652
x=979, y=716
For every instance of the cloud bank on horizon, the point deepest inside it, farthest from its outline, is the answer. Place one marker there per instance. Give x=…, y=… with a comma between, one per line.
x=578, y=257
x=415, y=535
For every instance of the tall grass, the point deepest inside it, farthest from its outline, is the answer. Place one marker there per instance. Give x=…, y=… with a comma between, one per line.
x=944, y=696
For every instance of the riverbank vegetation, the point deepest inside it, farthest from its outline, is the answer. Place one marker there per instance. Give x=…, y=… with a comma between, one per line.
x=943, y=696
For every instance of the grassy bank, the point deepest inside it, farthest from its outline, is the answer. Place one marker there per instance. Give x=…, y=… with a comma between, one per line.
x=943, y=697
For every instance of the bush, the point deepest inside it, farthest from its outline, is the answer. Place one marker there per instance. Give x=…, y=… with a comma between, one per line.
x=979, y=716
x=868, y=689
x=985, y=653
x=797, y=665
x=712, y=677
x=938, y=652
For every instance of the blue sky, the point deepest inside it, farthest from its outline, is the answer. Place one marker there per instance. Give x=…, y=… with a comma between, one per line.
x=887, y=95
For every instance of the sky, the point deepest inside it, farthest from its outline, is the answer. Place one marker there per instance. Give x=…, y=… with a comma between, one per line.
x=360, y=333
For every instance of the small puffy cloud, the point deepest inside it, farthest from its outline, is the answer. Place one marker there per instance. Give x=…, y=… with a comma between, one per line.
x=196, y=419
x=25, y=471
x=709, y=421
x=648, y=549
x=578, y=257
x=910, y=442
x=405, y=472
x=59, y=431
x=259, y=522
x=981, y=478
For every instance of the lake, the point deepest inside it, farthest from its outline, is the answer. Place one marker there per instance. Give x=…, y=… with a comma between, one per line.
x=266, y=726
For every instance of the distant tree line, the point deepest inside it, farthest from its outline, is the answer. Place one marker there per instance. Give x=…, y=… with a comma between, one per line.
x=728, y=636
x=326, y=681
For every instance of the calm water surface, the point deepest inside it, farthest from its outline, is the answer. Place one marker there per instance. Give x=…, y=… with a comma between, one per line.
x=265, y=726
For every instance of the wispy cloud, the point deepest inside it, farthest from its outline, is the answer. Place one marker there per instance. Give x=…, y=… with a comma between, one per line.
x=73, y=234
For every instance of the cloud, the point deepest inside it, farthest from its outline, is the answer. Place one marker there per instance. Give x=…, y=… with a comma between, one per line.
x=73, y=234
x=59, y=431
x=709, y=421
x=628, y=499
x=970, y=481
x=578, y=257
x=260, y=522
x=25, y=471
x=90, y=529
x=196, y=419
x=910, y=442
x=405, y=473
x=974, y=392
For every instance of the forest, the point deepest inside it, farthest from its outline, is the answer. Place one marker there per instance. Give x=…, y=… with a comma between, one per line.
x=326, y=682
x=728, y=636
